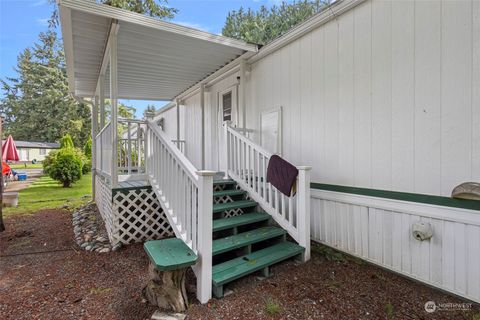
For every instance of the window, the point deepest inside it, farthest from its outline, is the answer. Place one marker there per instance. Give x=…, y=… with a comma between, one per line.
x=227, y=106
x=42, y=152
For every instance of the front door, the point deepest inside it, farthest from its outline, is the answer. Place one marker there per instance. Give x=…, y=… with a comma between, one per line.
x=227, y=113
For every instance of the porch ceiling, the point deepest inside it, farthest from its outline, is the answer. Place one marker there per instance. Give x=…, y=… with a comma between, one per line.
x=157, y=60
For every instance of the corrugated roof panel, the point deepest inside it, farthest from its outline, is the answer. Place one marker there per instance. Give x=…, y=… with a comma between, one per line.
x=157, y=60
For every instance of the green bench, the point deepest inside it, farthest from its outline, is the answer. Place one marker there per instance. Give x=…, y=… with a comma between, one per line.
x=169, y=260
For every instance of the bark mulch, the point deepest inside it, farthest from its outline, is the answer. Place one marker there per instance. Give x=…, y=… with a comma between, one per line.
x=45, y=275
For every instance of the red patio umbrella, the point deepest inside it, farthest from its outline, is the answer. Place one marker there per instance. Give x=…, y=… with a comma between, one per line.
x=9, y=150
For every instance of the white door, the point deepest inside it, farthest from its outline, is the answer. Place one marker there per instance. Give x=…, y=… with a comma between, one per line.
x=227, y=113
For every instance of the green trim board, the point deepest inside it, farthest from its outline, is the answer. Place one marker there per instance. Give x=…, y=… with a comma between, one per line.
x=403, y=196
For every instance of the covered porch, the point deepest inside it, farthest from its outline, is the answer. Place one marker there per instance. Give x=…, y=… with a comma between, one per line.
x=144, y=185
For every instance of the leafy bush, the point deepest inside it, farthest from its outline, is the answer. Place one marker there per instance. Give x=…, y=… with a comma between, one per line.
x=66, y=167
x=87, y=167
x=49, y=160
x=87, y=149
x=66, y=142
x=86, y=162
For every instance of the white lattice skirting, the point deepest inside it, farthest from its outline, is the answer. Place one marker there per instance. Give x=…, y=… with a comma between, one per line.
x=131, y=215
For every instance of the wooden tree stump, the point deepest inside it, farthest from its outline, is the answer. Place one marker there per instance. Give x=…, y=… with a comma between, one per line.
x=169, y=260
x=166, y=289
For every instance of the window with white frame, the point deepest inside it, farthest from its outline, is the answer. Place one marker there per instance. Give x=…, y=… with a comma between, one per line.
x=227, y=106
x=42, y=152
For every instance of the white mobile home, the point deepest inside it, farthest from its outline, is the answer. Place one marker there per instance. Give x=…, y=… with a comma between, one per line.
x=380, y=98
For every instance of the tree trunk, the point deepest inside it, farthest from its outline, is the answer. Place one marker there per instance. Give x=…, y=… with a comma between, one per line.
x=166, y=289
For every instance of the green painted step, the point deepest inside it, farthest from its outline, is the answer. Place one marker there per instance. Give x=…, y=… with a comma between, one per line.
x=220, y=207
x=226, y=181
x=233, y=269
x=233, y=192
x=241, y=220
x=246, y=238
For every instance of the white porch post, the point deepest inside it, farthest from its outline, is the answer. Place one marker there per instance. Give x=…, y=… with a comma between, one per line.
x=177, y=102
x=226, y=144
x=114, y=102
x=94, y=141
x=303, y=209
x=241, y=98
x=205, y=217
x=102, y=100
x=202, y=106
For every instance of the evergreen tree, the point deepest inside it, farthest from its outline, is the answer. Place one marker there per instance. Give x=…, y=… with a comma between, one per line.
x=264, y=25
x=36, y=104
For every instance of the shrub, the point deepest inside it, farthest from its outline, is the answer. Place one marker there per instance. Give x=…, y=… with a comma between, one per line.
x=49, y=160
x=87, y=149
x=272, y=307
x=86, y=162
x=66, y=142
x=66, y=168
x=87, y=167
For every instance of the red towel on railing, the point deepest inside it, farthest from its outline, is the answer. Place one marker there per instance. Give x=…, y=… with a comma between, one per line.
x=282, y=175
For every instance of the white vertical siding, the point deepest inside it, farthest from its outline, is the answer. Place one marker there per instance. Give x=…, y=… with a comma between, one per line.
x=193, y=130
x=402, y=95
x=169, y=122
x=475, y=120
x=380, y=231
x=384, y=96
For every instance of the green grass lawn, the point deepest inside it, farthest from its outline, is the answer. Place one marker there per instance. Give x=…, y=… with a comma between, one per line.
x=20, y=166
x=45, y=193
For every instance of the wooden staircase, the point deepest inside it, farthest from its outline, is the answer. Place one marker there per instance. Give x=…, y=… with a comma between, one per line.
x=244, y=238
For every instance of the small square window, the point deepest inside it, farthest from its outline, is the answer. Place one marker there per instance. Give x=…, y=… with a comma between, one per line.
x=42, y=152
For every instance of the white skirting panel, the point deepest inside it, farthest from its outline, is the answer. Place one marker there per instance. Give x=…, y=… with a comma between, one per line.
x=380, y=231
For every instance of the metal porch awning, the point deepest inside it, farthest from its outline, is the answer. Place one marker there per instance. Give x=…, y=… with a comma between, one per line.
x=157, y=60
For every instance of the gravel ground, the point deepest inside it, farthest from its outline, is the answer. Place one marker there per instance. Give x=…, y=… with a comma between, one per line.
x=44, y=275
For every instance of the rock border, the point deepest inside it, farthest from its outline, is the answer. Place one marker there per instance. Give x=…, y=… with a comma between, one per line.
x=89, y=230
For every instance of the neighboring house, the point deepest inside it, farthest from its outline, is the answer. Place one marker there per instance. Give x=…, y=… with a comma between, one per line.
x=381, y=98
x=30, y=151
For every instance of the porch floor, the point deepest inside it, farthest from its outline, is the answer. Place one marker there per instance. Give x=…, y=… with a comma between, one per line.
x=132, y=185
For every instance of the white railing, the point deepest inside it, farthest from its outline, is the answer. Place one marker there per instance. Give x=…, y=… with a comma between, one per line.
x=246, y=163
x=131, y=146
x=103, y=155
x=185, y=195
x=180, y=145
